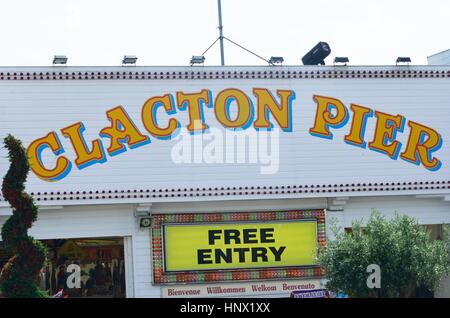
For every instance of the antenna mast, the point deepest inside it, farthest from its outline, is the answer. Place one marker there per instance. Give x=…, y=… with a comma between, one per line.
x=222, y=54
x=200, y=59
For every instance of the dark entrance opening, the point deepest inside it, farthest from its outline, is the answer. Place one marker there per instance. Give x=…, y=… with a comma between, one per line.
x=82, y=267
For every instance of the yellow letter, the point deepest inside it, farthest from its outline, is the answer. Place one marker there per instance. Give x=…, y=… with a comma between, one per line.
x=122, y=130
x=358, y=128
x=34, y=152
x=385, y=134
x=244, y=108
x=85, y=157
x=419, y=150
x=195, y=108
x=267, y=104
x=325, y=119
x=149, y=116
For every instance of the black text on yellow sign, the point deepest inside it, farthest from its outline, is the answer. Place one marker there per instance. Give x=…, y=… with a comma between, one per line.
x=244, y=245
x=232, y=236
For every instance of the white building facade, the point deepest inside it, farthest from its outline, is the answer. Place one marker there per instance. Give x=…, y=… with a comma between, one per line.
x=441, y=58
x=254, y=153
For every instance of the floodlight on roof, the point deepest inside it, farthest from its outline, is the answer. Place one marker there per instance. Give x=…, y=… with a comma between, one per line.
x=403, y=60
x=276, y=60
x=59, y=59
x=129, y=59
x=341, y=60
x=197, y=59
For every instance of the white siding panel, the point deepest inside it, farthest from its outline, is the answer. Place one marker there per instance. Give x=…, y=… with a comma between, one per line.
x=143, y=266
x=442, y=58
x=240, y=206
x=427, y=211
x=83, y=221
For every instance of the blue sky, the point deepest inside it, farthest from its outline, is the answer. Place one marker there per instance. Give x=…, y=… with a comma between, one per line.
x=100, y=32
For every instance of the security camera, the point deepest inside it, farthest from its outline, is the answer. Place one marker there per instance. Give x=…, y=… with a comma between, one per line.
x=145, y=222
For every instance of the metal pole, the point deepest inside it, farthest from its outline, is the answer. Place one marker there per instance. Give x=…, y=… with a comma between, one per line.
x=222, y=54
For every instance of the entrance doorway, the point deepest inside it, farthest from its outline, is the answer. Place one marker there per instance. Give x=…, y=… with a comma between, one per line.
x=99, y=262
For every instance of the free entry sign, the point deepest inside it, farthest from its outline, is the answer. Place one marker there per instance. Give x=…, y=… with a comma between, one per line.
x=244, y=245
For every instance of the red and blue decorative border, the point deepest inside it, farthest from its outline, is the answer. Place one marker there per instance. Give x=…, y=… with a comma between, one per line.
x=160, y=277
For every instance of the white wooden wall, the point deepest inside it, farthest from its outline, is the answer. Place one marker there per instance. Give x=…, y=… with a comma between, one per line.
x=426, y=210
x=51, y=104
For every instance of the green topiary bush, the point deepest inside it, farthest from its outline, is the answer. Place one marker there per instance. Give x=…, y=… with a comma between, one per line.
x=19, y=275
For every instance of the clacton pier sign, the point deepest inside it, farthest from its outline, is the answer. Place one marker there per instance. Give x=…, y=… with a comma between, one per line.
x=280, y=132
x=270, y=111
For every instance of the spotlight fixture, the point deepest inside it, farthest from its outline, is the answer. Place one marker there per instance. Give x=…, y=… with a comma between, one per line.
x=276, y=60
x=341, y=60
x=59, y=59
x=197, y=59
x=317, y=54
x=129, y=59
x=403, y=60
